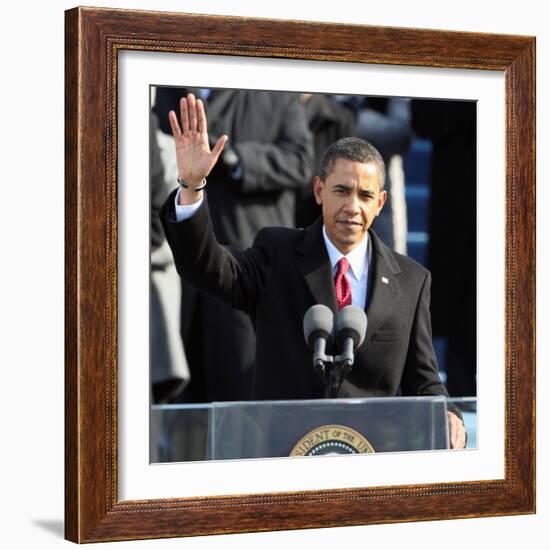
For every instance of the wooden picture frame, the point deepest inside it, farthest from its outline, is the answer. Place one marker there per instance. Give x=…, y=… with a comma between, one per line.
x=93, y=511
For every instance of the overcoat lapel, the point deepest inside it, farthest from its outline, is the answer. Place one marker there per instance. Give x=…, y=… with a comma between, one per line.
x=314, y=264
x=385, y=290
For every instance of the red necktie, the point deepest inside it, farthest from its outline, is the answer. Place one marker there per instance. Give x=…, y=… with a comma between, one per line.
x=343, y=288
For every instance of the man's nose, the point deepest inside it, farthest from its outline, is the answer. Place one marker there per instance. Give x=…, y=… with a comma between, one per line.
x=352, y=203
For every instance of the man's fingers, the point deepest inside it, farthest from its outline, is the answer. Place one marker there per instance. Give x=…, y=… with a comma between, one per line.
x=193, y=117
x=457, y=432
x=459, y=442
x=176, y=132
x=184, y=115
x=456, y=436
x=192, y=112
x=218, y=148
x=201, y=117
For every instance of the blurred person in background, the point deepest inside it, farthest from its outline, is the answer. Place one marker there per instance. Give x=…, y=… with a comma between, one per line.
x=168, y=364
x=451, y=127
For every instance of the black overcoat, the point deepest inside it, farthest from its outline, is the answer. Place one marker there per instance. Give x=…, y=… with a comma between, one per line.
x=281, y=276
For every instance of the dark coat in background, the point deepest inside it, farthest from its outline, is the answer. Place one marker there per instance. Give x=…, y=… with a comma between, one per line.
x=287, y=271
x=451, y=126
x=270, y=136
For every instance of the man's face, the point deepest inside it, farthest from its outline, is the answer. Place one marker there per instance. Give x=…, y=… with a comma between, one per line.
x=350, y=198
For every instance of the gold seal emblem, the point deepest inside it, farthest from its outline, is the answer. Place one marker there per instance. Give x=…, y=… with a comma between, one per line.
x=332, y=439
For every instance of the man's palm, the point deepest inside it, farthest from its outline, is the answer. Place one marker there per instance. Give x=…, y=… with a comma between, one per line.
x=194, y=157
x=195, y=160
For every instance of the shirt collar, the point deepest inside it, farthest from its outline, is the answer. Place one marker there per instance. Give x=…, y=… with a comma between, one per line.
x=358, y=258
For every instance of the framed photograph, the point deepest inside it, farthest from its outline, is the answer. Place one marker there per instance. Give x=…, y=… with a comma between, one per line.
x=115, y=60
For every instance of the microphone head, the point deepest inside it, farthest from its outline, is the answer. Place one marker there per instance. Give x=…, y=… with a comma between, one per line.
x=318, y=323
x=351, y=322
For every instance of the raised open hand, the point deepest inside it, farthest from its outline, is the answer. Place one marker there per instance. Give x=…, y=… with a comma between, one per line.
x=194, y=157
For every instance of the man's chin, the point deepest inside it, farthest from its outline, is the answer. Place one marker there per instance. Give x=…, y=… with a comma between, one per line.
x=352, y=234
x=349, y=242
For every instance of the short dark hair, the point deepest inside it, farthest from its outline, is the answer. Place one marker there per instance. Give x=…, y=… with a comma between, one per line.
x=355, y=149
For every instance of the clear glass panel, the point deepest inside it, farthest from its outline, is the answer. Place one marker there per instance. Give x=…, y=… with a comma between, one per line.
x=179, y=432
x=217, y=431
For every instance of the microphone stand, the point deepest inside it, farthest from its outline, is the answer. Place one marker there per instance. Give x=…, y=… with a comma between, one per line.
x=334, y=369
x=322, y=364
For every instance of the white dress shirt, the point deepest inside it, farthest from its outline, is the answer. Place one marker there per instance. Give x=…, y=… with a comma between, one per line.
x=358, y=273
x=184, y=212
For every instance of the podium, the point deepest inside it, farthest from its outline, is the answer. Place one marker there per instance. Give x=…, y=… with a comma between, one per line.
x=261, y=429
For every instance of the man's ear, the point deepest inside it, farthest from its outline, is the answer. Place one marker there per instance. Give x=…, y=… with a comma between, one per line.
x=381, y=200
x=318, y=184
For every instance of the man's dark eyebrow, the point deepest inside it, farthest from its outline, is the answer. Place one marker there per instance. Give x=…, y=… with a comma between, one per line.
x=345, y=186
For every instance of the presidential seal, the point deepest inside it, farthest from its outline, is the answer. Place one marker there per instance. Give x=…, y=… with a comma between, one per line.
x=332, y=440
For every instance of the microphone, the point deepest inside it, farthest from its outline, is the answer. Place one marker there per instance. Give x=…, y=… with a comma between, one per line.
x=351, y=327
x=318, y=325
